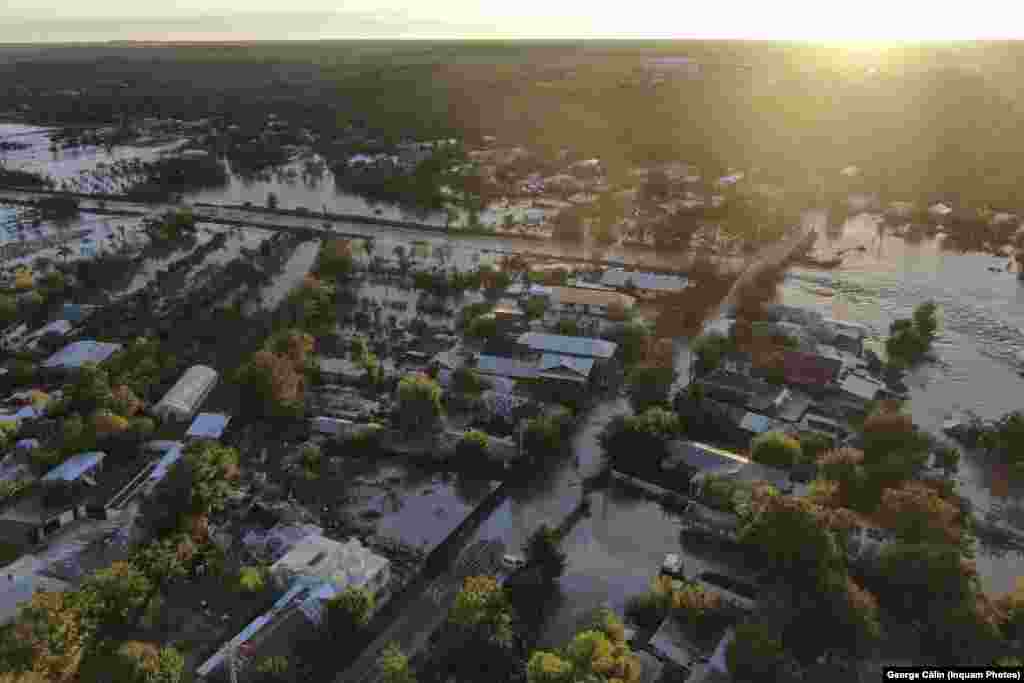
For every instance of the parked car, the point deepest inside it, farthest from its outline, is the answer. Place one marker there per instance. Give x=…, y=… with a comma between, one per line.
x=513, y=562
x=672, y=566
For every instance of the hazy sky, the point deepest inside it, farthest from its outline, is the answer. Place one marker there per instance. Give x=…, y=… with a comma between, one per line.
x=64, y=20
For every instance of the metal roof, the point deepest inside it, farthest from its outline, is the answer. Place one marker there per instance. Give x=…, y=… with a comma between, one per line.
x=581, y=366
x=570, y=346
x=618, y=277
x=505, y=367
x=753, y=422
x=208, y=426
x=77, y=354
x=75, y=466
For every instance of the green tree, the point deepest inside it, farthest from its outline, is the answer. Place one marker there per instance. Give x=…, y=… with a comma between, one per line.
x=568, y=327
x=547, y=434
x=482, y=608
x=633, y=340
x=790, y=533
x=348, y=613
x=645, y=435
x=918, y=577
x=251, y=579
x=542, y=551
x=709, y=349
x=275, y=669
x=116, y=596
x=139, y=662
x=214, y=470
x=755, y=654
x=394, y=666
x=8, y=309
x=473, y=445
x=419, y=402
x=535, y=307
x=649, y=386
x=483, y=327
x=467, y=381
x=776, y=449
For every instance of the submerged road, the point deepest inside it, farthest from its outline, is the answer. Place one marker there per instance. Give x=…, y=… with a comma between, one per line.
x=466, y=246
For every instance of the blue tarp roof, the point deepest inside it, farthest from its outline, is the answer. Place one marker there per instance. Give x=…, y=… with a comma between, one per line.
x=506, y=367
x=582, y=366
x=75, y=466
x=172, y=456
x=570, y=346
x=78, y=353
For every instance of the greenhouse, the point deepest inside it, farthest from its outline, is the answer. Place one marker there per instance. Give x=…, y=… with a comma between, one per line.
x=185, y=397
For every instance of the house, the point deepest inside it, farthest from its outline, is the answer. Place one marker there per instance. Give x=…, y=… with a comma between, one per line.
x=341, y=565
x=184, y=398
x=646, y=283
x=592, y=308
x=75, y=355
x=671, y=643
x=341, y=370
x=809, y=369
x=755, y=396
x=60, y=500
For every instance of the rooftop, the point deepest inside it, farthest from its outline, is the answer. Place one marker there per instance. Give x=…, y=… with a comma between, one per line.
x=619, y=277
x=74, y=467
x=569, y=346
x=340, y=564
x=208, y=426
x=78, y=353
x=591, y=297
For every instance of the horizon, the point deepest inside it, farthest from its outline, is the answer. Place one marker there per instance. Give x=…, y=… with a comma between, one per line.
x=46, y=22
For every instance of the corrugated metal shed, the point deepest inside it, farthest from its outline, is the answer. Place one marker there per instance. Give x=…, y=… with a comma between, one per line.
x=78, y=353
x=182, y=400
x=75, y=466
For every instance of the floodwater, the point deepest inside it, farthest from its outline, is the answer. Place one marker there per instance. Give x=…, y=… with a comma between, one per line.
x=295, y=188
x=614, y=552
x=65, y=164
x=981, y=332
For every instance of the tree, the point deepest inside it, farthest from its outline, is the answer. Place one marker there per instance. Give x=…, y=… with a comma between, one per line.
x=813, y=445
x=473, y=446
x=275, y=669
x=790, y=533
x=214, y=470
x=8, y=309
x=482, y=608
x=335, y=259
x=535, y=307
x=633, y=339
x=709, y=349
x=117, y=596
x=49, y=636
x=139, y=662
x=918, y=577
x=394, y=666
x=274, y=385
x=911, y=338
x=642, y=436
x=755, y=655
x=542, y=551
x=483, y=327
x=918, y=514
x=776, y=449
x=468, y=381
x=894, y=449
x=348, y=613
x=419, y=402
x=568, y=327
x=251, y=579
x=948, y=459
x=547, y=434
x=599, y=653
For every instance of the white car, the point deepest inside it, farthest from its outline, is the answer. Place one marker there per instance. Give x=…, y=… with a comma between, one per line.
x=513, y=562
x=672, y=565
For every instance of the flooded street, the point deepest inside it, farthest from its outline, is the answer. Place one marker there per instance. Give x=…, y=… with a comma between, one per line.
x=615, y=551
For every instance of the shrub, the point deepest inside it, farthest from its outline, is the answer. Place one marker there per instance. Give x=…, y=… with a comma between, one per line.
x=776, y=449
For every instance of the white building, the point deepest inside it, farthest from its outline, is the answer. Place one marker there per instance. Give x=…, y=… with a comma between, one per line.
x=184, y=398
x=316, y=558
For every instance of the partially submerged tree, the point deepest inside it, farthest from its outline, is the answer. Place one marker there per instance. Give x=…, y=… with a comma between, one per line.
x=419, y=402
